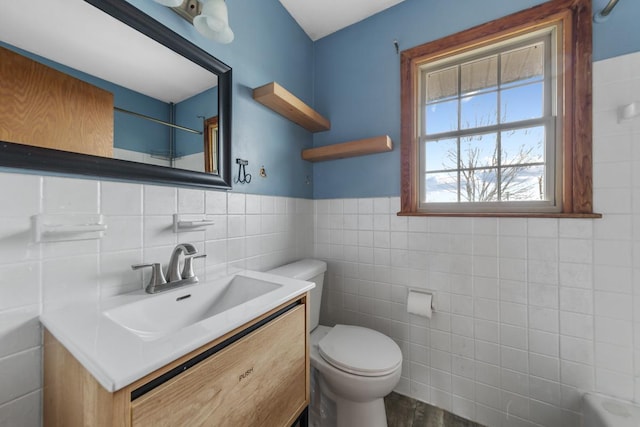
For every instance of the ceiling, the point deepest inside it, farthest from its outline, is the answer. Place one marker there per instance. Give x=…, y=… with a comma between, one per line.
x=319, y=18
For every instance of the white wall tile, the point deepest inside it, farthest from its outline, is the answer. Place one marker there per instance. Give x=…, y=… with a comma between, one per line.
x=615, y=253
x=67, y=195
x=158, y=231
x=116, y=274
x=576, y=275
x=576, y=228
x=191, y=201
x=543, y=319
x=614, y=358
x=216, y=202
x=19, y=285
x=576, y=350
x=513, y=314
x=576, y=325
x=544, y=367
x=577, y=375
x=544, y=390
x=544, y=343
x=19, y=330
x=60, y=288
x=17, y=243
x=513, y=336
x=51, y=250
x=613, y=279
x=24, y=411
x=614, y=384
x=123, y=232
x=576, y=300
x=23, y=372
x=267, y=205
x=118, y=198
x=159, y=200
x=575, y=251
x=235, y=203
x=615, y=305
x=515, y=404
x=514, y=359
x=21, y=194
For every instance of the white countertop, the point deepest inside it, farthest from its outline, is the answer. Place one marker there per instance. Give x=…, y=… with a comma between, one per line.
x=117, y=357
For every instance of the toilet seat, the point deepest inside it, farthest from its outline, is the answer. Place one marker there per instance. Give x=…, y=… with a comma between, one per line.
x=360, y=351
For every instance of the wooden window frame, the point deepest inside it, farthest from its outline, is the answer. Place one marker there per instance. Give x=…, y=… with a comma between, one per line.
x=576, y=111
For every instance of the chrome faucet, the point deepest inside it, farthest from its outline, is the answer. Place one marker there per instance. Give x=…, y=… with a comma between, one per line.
x=173, y=272
x=175, y=278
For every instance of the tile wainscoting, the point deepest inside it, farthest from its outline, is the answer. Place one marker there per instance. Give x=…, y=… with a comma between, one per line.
x=250, y=231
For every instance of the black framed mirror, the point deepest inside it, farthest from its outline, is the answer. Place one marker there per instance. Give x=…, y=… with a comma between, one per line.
x=14, y=153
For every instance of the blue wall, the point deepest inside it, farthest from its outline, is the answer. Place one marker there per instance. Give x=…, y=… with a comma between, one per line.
x=352, y=77
x=618, y=34
x=357, y=83
x=133, y=133
x=187, y=114
x=269, y=46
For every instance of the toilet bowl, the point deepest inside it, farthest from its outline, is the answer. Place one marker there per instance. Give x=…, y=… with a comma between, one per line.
x=357, y=366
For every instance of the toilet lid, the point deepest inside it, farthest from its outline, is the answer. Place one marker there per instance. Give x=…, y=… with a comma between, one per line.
x=360, y=351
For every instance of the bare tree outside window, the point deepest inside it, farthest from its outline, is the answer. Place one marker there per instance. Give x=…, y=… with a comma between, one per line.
x=502, y=175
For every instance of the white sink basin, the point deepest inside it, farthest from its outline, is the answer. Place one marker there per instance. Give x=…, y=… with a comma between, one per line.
x=122, y=339
x=170, y=311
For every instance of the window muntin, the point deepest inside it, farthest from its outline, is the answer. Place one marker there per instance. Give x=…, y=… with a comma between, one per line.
x=487, y=128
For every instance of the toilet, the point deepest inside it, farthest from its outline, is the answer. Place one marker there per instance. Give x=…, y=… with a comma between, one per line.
x=357, y=366
x=603, y=411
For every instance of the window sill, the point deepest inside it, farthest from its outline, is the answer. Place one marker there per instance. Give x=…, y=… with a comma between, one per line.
x=504, y=215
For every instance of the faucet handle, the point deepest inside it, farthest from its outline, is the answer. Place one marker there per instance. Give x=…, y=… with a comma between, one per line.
x=187, y=270
x=157, y=277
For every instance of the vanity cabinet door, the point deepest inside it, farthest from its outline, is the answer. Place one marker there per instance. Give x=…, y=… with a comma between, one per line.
x=259, y=380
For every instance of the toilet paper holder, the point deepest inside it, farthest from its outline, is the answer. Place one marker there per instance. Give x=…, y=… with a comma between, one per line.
x=420, y=302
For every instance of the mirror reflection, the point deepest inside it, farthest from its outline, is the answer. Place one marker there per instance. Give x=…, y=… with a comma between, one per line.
x=82, y=81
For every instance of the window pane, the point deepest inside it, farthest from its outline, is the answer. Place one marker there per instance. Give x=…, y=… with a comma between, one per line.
x=478, y=185
x=523, y=145
x=441, y=154
x=522, y=64
x=479, y=110
x=441, y=187
x=478, y=151
x=522, y=103
x=441, y=84
x=479, y=75
x=441, y=117
x=525, y=183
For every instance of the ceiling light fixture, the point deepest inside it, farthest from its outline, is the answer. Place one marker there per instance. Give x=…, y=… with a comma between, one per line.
x=209, y=17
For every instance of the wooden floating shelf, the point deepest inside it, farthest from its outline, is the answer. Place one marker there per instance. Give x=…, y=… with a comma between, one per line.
x=378, y=144
x=288, y=105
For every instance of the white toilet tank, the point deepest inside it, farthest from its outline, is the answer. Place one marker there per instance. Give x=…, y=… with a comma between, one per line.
x=311, y=270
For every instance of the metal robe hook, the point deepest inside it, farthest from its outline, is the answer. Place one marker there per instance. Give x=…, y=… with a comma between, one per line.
x=397, y=46
x=243, y=176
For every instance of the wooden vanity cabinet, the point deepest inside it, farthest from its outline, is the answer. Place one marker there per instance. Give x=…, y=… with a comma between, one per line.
x=257, y=375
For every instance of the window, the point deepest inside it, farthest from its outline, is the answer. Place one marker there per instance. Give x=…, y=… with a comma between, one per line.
x=497, y=119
